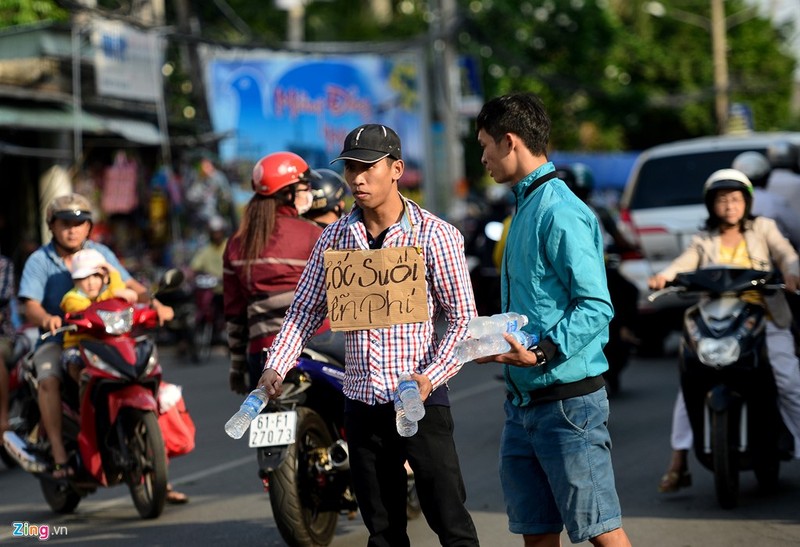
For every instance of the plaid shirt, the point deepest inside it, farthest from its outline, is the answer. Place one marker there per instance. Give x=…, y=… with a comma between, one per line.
x=375, y=358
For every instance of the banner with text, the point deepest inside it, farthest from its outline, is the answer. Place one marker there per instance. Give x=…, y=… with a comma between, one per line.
x=273, y=101
x=127, y=61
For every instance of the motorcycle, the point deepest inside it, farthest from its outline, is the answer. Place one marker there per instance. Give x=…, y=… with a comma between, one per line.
x=302, y=452
x=115, y=438
x=727, y=380
x=182, y=328
x=209, y=318
x=621, y=329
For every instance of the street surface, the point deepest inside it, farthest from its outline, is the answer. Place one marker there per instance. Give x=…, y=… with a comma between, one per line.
x=228, y=504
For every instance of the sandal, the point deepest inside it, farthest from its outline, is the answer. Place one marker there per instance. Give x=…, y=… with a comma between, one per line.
x=62, y=471
x=176, y=498
x=672, y=481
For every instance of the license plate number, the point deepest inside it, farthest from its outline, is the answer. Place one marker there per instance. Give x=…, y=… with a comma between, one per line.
x=273, y=429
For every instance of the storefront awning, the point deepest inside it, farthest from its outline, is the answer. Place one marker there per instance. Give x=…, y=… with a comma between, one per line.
x=134, y=130
x=47, y=119
x=38, y=118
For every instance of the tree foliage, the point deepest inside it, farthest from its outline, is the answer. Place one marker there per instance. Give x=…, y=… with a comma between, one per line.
x=613, y=76
x=23, y=12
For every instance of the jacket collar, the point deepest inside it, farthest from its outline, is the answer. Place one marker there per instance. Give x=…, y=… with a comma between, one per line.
x=520, y=189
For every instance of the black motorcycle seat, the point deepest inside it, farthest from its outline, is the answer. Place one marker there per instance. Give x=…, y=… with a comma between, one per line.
x=329, y=344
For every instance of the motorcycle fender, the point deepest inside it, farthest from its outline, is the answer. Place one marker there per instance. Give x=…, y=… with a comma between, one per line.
x=132, y=396
x=270, y=457
x=720, y=399
x=87, y=445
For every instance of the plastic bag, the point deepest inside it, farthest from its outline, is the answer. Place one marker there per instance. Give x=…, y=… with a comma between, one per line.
x=177, y=427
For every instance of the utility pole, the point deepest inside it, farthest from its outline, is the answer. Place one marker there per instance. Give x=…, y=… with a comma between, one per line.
x=719, y=42
x=438, y=194
x=295, y=20
x=717, y=26
x=188, y=25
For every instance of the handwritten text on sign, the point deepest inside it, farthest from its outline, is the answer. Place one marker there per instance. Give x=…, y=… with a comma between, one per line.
x=376, y=288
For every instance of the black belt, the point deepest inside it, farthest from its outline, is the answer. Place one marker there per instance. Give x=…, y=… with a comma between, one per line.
x=559, y=392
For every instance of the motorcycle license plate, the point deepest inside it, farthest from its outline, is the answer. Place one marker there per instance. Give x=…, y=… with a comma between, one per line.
x=273, y=429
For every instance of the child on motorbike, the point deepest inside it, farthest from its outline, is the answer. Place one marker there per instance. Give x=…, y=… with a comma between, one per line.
x=734, y=237
x=94, y=280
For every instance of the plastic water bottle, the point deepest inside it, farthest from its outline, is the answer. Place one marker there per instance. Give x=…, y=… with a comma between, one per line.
x=405, y=427
x=410, y=399
x=250, y=408
x=467, y=350
x=496, y=324
x=473, y=348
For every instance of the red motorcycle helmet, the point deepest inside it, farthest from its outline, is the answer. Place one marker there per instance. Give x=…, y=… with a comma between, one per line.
x=279, y=170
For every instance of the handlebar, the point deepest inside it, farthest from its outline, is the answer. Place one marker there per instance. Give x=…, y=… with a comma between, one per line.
x=670, y=289
x=59, y=330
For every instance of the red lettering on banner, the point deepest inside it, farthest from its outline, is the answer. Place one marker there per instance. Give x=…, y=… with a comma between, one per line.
x=337, y=101
x=341, y=101
x=296, y=102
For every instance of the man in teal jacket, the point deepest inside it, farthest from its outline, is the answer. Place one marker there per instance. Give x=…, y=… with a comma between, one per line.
x=555, y=460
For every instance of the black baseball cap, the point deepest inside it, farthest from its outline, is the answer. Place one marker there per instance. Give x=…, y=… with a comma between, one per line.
x=369, y=143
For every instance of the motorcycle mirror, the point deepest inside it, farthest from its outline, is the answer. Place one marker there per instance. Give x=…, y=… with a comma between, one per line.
x=171, y=280
x=493, y=230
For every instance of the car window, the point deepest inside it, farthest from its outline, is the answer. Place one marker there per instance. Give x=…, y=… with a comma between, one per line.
x=677, y=180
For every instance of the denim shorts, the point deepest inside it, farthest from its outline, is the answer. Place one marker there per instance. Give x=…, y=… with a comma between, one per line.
x=47, y=360
x=555, y=468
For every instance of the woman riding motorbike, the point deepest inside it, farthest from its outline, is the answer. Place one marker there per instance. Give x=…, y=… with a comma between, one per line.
x=263, y=261
x=734, y=237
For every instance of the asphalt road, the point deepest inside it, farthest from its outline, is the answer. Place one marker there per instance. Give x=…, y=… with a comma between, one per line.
x=228, y=504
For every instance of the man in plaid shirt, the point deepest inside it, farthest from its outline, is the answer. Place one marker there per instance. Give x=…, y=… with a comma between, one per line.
x=376, y=357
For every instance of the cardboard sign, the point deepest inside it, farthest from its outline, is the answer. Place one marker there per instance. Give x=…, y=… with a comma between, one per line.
x=376, y=288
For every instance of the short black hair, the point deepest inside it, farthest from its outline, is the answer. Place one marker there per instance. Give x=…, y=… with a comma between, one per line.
x=523, y=114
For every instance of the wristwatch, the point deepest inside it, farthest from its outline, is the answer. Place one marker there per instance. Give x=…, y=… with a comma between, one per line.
x=541, y=358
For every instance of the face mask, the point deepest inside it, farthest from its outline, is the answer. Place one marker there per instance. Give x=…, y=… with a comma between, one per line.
x=303, y=201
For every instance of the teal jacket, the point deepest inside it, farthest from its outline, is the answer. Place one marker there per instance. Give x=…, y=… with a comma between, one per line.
x=553, y=271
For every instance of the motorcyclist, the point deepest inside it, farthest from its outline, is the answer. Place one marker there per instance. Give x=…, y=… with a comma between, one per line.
x=328, y=194
x=263, y=261
x=624, y=294
x=732, y=236
x=208, y=260
x=45, y=280
x=765, y=203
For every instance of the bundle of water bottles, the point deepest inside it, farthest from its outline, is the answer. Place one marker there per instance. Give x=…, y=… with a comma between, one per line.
x=486, y=336
x=408, y=406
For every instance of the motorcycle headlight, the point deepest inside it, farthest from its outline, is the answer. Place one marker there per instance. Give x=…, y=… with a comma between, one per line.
x=117, y=322
x=98, y=363
x=718, y=352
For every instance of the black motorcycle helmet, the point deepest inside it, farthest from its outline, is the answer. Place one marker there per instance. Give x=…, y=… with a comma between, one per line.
x=578, y=178
x=326, y=192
